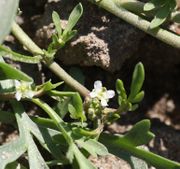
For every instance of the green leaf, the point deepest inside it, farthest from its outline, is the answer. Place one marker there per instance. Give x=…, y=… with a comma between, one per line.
x=116, y=144
x=72, y=111
x=73, y=151
x=137, y=80
x=12, y=151
x=69, y=35
x=134, y=162
x=153, y=4
x=34, y=157
x=47, y=86
x=57, y=23
x=139, y=134
x=6, y=86
x=160, y=17
x=122, y=96
x=138, y=98
x=78, y=105
x=9, y=72
x=44, y=136
x=73, y=18
x=113, y=143
x=83, y=162
x=75, y=107
x=15, y=165
x=62, y=106
x=163, y=13
x=93, y=147
x=8, y=9
x=8, y=53
x=120, y=89
x=138, y=163
x=134, y=107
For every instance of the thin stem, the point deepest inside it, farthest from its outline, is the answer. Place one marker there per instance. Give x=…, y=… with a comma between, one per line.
x=161, y=34
x=54, y=116
x=58, y=71
x=25, y=40
x=54, y=67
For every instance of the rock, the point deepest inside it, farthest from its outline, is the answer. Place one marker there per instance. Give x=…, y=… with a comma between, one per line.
x=110, y=162
x=103, y=39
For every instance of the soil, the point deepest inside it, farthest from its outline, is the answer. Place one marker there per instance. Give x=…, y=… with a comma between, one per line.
x=107, y=48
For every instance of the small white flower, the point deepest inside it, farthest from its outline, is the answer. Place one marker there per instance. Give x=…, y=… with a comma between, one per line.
x=101, y=93
x=23, y=90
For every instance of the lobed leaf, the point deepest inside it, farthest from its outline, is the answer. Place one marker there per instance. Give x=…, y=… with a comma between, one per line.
x=44, y=136
x=116, y=145
x=12, y=151
x=93, y=147
x=75, y=154
x=34, y=157
x=139, y=134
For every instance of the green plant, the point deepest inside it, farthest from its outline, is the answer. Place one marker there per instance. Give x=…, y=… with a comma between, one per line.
x=140, y=15
x=68, y=142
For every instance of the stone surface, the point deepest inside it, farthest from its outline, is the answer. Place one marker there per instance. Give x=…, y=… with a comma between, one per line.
x=103, y=40
x=110, y=162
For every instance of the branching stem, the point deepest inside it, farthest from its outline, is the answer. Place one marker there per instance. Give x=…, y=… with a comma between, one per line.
x=53, y=66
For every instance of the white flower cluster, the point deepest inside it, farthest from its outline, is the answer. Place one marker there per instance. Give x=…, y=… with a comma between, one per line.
x=23, y=90
x=101, y=93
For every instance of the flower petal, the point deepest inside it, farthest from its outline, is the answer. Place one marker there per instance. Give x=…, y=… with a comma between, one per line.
x=93, y=94
x=97, y=85
x=29, y=94
x=110, y=94
x=17, y=83
x=104, y=103
x=18, y=96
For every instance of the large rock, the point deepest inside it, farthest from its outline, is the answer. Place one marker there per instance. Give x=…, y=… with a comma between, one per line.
x=103, y=40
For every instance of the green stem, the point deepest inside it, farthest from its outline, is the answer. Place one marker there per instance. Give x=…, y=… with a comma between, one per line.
x=161, y=34
x=115, y=143
x=54, y=67
x=25, y=40
x=54, y=116
x=61, y=93
x=136, y=7
x=58, y=71
x=45, y=122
